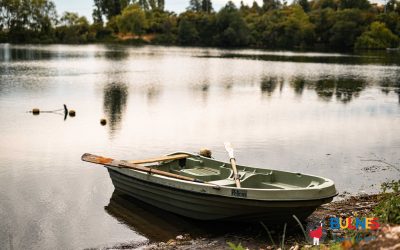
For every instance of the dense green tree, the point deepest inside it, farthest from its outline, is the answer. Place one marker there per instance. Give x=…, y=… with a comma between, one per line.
x=97, y=13
x=74, y=29
x=378, y=36
x=200, y=6
x=349, y=24
x=298, y=30
x=232, y=29
x=323, y=4
x=187, y=32
x=164, y=25
x=28, y=19
x=335, y=24
x=132, y=20
x=111, y=8
x=391, y=20
x=194, y=5
x=354, y=4
x=271, y=5
x=157, y=4
x=206, y=6
x=304, y=4
x=323, y=20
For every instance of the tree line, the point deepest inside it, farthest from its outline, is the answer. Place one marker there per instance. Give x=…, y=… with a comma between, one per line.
x=315, y=24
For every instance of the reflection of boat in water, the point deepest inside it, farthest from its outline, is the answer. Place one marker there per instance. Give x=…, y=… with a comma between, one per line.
x=156, y=224
x=203, y=188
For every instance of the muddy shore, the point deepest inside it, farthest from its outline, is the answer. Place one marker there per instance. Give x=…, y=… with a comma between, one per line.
x=256, y=237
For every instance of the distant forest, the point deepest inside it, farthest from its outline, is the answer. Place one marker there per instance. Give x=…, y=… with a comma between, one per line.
x=302, y=24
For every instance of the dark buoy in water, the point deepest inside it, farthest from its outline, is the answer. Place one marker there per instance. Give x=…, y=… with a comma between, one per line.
x=103, y=122
x=35, y=111
x=72, y=113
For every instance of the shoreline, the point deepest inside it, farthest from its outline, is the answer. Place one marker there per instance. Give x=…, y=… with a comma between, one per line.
x=255, y=237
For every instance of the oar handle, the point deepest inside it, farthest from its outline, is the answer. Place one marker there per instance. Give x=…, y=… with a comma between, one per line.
x=236, y=176
x=229, y=149
x=124, y=164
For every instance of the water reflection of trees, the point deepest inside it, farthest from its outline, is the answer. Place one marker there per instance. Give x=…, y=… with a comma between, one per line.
x=115, y=99
x=349, y=88
x=298, y=83
x=325, y=89
x=390, y=84
x=269, y=84
x=116, y=55
x=345, y=89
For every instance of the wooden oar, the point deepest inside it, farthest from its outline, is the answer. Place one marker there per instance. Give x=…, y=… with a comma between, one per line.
x=160, y=159
x=229, y=148
x=123, y=164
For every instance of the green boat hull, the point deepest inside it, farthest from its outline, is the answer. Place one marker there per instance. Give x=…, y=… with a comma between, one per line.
x=266, y=195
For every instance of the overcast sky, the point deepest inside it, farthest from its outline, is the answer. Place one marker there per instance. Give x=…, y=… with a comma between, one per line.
x=84, y=7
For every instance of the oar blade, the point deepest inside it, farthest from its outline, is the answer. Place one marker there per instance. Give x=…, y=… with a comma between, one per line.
x=96, y=159
x=229, y=149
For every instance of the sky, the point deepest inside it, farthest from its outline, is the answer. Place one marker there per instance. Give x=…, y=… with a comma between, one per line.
x=84, y=7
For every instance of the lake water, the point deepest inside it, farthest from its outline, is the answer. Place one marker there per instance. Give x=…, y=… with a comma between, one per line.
x=334, y=115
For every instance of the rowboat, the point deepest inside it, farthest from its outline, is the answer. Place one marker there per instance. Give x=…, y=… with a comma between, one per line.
x=203, y=188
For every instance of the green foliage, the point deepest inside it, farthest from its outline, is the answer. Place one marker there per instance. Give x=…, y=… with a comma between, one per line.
x=74, y=29
x=388, y=208
x=271, y=5
x=235, y=247
x=354, y=4
x=200, y=6
x=187, y=32
x=378, y=36
x=391, y=20
x=28, y=19
x=110, y=8
x=348, y=25
x=232, y=31
x=334, y=24
x=323, y=4
x=132, y=20
x=304, y=4
x=323, y=20
x=298, y=30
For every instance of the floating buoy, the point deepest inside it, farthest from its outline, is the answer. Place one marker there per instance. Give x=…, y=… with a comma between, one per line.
x=205, y=152
x=72, y=113
x=103, y=121
x=35, y=111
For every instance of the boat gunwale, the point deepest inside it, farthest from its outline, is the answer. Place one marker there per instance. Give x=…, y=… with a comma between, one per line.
x=210, y=185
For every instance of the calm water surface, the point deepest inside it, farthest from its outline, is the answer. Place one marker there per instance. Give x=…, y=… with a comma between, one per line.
x=335, y=115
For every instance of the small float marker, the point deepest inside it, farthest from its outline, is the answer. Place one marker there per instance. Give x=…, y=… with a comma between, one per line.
x=103, y=122
x=71, y=113
x=35, y=111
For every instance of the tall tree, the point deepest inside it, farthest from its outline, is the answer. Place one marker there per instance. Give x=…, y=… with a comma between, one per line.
x=144, y=4
x=195, y=5
x=206, y=6
x=97, y=14
x=354, y=4
x=111, y=8
x=132, y=20
x=156, y=4
x=271, y=5
x=232, y=29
